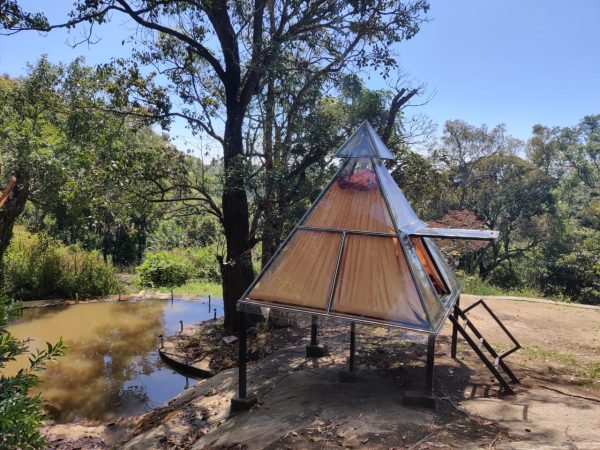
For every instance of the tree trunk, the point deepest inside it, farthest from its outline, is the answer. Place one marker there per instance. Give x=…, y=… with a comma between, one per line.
x=237, y=269
x=268, y=233
x=9, y=213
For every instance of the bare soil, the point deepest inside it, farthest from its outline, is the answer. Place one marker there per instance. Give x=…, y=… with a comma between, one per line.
x=303, y=405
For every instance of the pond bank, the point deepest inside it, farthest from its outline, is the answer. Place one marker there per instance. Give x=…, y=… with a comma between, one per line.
x=303, y=405
x=173, y=351
x=110, y=298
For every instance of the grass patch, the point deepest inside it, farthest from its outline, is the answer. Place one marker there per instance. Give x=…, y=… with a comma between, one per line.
x=476, y=286
x=200, y=287
x=592, y=375
x=550, y=355
x=130, y=284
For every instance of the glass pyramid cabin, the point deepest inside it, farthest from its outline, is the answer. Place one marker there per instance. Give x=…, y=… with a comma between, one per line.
x=361, y=253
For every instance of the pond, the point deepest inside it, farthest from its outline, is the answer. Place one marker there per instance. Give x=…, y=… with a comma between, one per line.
x=112, y=368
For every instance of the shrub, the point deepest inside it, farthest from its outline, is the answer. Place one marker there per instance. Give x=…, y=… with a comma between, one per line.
x=37, y=266
x=21, y=414
x=162, y=269
x=203, y=263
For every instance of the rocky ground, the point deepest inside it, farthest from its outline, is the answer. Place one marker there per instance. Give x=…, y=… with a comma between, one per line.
x=303, y=405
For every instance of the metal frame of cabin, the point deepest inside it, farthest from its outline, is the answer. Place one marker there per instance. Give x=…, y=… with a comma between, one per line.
x=414, y=229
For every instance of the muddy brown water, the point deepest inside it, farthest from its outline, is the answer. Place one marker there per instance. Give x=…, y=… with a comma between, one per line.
x=112, y=368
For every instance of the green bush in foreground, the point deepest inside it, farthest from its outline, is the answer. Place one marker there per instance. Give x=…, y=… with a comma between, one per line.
x=37, y=266
x=162, y=269
x=21, y=414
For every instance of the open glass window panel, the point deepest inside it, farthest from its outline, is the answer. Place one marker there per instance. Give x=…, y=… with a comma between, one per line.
x=301, y=275
x=375, y=282
x=353, y=201
x=444, y=269
x=429, y=265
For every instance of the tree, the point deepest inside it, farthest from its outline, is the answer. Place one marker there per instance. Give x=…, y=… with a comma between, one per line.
x=463, y=147
x=28, y=139
x=301, y=133
x=217, y=55
x=512, y=196
x=543, y=151
x=580, y=148
x=457, y=249
x=80, y=167
x=505, y=192
x=568, y=264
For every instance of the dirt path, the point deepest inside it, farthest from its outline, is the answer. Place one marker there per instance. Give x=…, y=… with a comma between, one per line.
x=303, y=405
x=558, y=400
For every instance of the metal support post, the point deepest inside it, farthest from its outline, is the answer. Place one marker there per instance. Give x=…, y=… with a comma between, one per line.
x=242, y=355
x=352, y=358
x=314, y=349
x=243, y=402
x=454, y=330
x=430, y=364
x=424, y=398
x=349, y=376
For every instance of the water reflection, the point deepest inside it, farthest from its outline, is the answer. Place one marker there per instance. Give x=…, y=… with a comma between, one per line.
x=112, y=367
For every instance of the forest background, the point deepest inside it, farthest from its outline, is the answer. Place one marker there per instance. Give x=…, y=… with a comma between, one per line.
x=268, y=92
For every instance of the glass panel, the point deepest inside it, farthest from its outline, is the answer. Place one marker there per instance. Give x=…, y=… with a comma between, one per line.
x=443, y=267
x=429, y=265
x=358, y=145
x=374, y=281
x=402, y=213
x=458, y=233
x=382, y=150
x=302, y=274
x=429, y=296
x=353, y=202
x=364, y=143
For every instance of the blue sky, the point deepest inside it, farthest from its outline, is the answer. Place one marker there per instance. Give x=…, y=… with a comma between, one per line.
x=514, y=62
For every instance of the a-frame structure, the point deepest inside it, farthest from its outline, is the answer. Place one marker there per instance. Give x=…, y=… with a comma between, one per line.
x=360, y=253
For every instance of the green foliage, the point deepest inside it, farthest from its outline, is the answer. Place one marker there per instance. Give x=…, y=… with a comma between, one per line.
x=82, y=172
x=203, y=262
x=37, y=266
x=189, y=231
x=21, y=413
x=592, y=373
x=569, y=265
x=162, y=269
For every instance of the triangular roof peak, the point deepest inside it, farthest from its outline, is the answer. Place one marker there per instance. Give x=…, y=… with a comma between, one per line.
x=364, y=143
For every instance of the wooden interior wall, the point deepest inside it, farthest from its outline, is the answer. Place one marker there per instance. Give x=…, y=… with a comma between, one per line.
x=374, y=281
x=352, y=209
x=302, y=274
